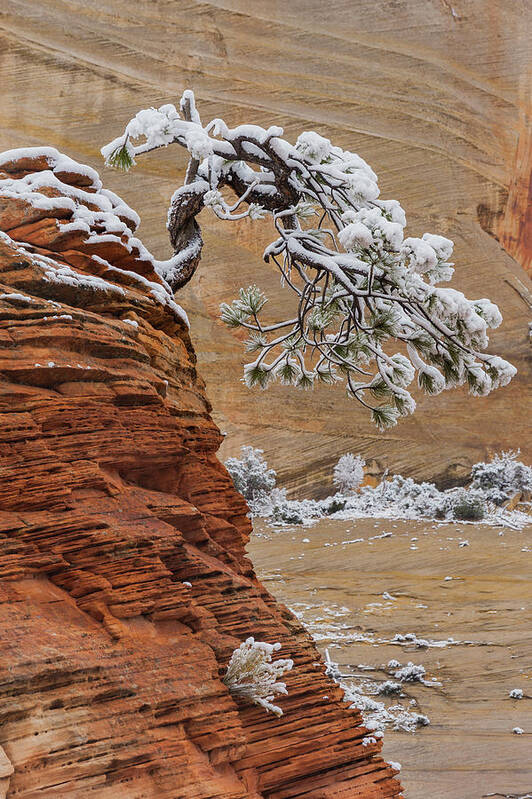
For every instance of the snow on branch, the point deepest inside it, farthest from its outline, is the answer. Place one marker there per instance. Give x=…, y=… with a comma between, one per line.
x=359, y=285
x=251, y=674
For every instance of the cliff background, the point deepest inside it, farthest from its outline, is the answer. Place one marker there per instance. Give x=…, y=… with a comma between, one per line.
x=434, y=94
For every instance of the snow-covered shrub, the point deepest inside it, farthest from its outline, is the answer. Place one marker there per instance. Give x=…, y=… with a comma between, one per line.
x=333, y=504
x=375, y=714
x=250, y=473
x=502, y=477
x=287, y=511
x=282, y=510
x=349, y=472
x=412, y=672
x=252, y=674
x=264, y=501
x=402, y=496
x=468, y=505
x=421, y=498
x=389, y=688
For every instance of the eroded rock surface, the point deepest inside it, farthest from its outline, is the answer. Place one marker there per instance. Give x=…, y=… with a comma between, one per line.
x=124, y=584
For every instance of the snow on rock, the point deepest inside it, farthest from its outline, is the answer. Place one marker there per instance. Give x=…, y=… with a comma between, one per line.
x=13, y=295
x=50, y=202
x=37, y=159
x=376, y=715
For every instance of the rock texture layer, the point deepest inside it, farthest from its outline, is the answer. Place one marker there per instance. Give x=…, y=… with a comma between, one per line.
x=124, y=584
x=434, y=94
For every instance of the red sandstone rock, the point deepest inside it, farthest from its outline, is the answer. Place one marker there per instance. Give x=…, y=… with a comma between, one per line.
x=112, y=501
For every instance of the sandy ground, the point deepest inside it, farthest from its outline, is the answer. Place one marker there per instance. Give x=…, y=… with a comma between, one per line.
x=336, y=583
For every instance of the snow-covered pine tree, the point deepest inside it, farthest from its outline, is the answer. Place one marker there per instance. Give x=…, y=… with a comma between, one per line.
x=349, y=472
x=250, y=473
x=358, y=283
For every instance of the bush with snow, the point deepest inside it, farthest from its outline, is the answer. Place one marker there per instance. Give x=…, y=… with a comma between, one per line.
x=502, y=477
x=412, y=672
x=276, y=507
x=349, y=473
x=468, y=505
x=251, y=674
x=410, y=499
x=250, y=473
x=359, y=287
x=398, y=497
x=390, y=688
x=286, y=511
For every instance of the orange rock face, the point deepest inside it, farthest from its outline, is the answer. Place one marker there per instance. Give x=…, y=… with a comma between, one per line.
x=124, y=584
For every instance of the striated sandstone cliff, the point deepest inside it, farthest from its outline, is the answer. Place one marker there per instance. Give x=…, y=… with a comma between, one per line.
x=434, y=94
x=124, y=584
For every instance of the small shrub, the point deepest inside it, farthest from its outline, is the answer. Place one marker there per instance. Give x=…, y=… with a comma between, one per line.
x=412, y=672
x=287, y=512
x=468, y=506
x=390, y=688
x=349, y=472
x=250, y=473
x=252, y=674
x=334, y=506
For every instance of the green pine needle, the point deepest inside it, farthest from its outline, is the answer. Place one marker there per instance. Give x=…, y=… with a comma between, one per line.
x=379, y=389
x=426, y=382
x=384, y=416
x=121, y=158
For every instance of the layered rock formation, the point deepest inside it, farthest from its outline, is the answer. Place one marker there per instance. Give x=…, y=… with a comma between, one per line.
x=124, y=584
x=434, y=94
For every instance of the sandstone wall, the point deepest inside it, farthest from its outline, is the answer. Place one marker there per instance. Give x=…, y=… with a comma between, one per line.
x=434, y=94
x=124, y=584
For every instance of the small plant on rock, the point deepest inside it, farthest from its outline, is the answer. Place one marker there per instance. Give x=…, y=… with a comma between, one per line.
x=251, y=674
